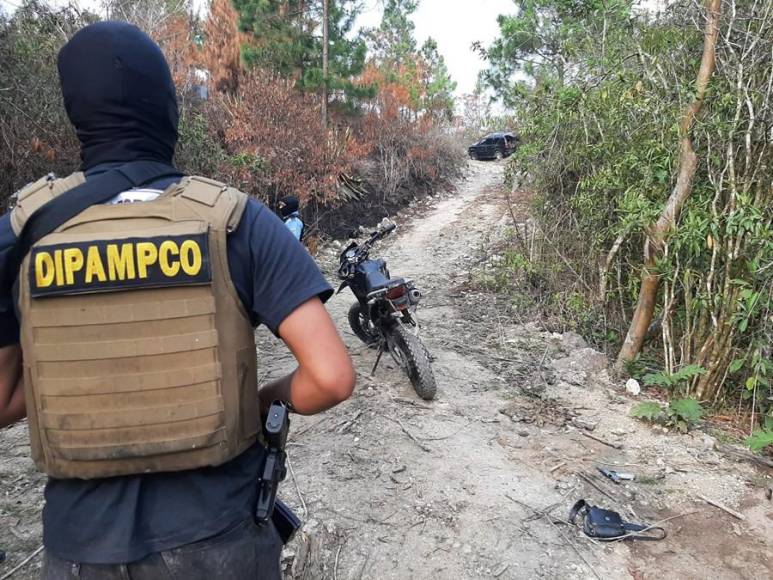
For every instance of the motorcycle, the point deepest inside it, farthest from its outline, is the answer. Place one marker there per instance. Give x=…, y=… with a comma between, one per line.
x=384, y=316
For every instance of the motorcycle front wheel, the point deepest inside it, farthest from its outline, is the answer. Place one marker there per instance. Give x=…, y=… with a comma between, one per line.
x=362, y=326
x=412, y=356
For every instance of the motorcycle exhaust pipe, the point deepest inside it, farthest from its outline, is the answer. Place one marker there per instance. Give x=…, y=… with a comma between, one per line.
x=414, y=296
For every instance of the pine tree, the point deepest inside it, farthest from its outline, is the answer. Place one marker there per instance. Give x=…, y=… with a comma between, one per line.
x=280, y=40
x=439, y=87
x=286, y=38
x=421, y=73
x=393, y=41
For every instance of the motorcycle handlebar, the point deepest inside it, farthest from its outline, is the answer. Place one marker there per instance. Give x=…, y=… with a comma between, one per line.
x=378, y=234
x=362, y=251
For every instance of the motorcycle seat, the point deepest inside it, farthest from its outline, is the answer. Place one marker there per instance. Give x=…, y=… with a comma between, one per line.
x=392, y=282
x=376, y=276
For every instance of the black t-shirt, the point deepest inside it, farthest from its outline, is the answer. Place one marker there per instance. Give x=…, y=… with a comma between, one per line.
x=123, y=519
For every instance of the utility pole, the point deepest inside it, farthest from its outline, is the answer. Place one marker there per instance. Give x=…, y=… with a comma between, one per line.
x=325, y=41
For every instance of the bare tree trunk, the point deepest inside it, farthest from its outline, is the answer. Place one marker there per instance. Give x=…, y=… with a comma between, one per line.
x=688, y=163
x=325, y=42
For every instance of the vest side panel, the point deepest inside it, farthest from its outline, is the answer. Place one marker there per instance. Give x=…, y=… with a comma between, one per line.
x=224, y=208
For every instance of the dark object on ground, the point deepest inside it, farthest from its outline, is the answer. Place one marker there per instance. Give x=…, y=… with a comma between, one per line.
x=494, y=146
x=2, y=556
x=385, y=312
x=606, y=525
x=615, y=476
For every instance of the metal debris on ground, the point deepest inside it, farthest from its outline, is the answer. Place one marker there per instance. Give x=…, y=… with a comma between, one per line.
x=616, y=476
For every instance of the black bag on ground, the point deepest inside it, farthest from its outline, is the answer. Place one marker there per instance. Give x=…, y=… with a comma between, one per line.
x=607, y=525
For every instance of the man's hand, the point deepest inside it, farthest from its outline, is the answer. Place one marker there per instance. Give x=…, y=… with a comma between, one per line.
x=325, y=376
x=12, y=406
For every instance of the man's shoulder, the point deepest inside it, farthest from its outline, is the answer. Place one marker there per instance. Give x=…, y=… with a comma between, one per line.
x=7, y=235
x=255, y=212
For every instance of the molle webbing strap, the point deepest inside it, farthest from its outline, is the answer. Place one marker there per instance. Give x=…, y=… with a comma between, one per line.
x=35, y=195
x=62, y=208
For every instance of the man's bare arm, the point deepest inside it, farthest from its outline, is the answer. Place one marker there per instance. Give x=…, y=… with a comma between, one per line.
x=325, y=376
x=12, y=406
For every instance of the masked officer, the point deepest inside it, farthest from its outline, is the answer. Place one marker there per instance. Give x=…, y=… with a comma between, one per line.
x=289, y=209
x=134, y=317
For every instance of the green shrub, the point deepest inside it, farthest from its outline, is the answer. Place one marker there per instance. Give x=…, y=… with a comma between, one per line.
x=761, y=439
x=648, y=411
x=681, y=414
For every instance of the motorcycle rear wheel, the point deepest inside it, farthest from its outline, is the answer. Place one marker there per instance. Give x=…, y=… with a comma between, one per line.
x=362, y=327
x=413, y=357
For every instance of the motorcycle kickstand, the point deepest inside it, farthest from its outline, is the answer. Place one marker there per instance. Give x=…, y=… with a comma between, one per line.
x=378, y=358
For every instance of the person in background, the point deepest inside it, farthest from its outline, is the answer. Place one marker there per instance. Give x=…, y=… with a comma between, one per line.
x=289, y=210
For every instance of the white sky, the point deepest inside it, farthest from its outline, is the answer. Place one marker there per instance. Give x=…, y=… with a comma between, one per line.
x=454, y=24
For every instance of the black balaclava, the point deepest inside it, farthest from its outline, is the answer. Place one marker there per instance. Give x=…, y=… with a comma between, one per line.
x=288, y=206
x=119, y=95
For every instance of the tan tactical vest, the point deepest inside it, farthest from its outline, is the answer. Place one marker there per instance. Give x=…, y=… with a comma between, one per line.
x=138, y=354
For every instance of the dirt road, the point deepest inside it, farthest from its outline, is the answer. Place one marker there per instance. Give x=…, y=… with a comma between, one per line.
x=476, y=484
x=396, y=488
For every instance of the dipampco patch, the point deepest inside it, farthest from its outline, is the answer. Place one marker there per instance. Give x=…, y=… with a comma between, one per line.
x=125, y=264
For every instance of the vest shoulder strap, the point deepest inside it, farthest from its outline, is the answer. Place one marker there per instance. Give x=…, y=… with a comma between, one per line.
x=35, y=195
x=222, y=205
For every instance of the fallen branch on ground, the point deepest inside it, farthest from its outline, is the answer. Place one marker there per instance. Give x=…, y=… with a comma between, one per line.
x=308, y=428
x=21, y=564
x=559, y=466
x=566, y=539
x=335, y=567
x=594, y=484
x=342, y=426
x=410, y=435
x=410, y=402
x=724, y=508
x=607, y=443
x=745, y=455
x=297, y=489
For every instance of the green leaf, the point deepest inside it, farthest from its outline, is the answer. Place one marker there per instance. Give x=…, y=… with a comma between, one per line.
x=688, y=372
x=658, y=379
x=760, y=440
x=688, y=410
x=736, y=365
x=751, y=382
x=648, y=411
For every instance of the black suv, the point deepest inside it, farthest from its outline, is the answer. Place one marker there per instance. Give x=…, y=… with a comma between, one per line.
x=494, y=146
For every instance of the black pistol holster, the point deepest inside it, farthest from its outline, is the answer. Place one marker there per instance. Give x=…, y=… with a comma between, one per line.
x=607, y=525
x=268, y=507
